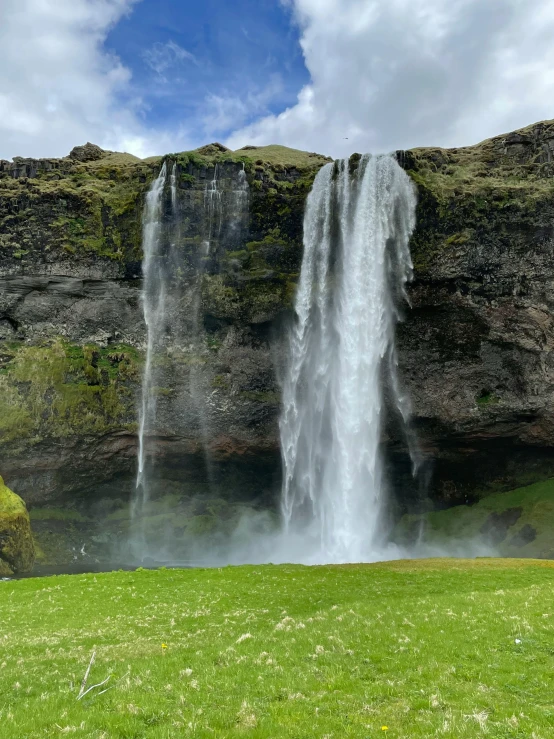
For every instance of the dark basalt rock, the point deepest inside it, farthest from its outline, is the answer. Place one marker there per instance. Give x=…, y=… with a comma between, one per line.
x=87, y=153
x=525, y=535
x=495, y=528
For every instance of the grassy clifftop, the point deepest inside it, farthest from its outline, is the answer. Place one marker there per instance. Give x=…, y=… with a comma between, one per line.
x=484, y=194
x=89, y=204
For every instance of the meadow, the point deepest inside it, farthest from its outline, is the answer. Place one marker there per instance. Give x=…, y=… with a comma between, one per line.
x=408, y=649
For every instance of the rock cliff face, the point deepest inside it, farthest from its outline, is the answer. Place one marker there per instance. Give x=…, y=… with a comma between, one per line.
x=73, y=333
x=475, y=346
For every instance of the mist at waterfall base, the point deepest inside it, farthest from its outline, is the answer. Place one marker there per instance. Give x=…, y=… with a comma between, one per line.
x=339, y=385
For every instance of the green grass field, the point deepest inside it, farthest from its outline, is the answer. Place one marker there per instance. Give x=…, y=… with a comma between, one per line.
x=435, y=648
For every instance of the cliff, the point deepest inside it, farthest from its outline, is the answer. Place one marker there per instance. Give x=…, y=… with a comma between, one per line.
x=475, y=347
x=71, y=323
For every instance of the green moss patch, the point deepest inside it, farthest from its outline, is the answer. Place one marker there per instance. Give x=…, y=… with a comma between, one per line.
x=56, y=514
x=282, y=155
x=17, y=552
x=59, y=389
x=78, y=208
x=517, y=523
x=502, y=191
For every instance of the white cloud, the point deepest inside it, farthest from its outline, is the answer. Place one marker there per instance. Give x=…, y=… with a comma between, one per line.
x=59, y=87
x=161, y=57
x=384, y=74
x=223, y=112
x=389, y=74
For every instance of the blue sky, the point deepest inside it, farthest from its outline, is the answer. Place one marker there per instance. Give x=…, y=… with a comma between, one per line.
x=184, y=53
x=333, y=76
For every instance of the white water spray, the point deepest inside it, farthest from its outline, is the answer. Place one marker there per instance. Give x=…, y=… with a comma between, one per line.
x=212, y=209
x=154, y=294
x=356, y=263
x=173, y=186
x=240, y=195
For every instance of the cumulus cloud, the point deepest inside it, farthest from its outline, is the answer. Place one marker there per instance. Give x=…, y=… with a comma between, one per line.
x=58, y=87
x=384, y=74
x=389, y=74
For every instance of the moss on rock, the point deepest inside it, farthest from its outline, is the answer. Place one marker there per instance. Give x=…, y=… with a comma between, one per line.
x=83, y=209
x=17, y=551
x=60, y=389
x=518, y=523
x=500, y=183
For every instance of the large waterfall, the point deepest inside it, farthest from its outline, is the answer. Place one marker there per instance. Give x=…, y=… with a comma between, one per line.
x=355, y=266
x=153, y=310
x=341, y=375
x=156, y=281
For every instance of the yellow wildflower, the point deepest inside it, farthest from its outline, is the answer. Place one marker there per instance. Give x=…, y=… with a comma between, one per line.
x=164, y=646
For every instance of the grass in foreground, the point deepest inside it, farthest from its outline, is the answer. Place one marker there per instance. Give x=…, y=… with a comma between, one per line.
x=436, y=648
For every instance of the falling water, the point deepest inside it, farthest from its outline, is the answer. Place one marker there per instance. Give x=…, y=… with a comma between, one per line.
x=355, y=266
x=241, y=192
x=212, y=209
x=154, y=298
x=173, y=186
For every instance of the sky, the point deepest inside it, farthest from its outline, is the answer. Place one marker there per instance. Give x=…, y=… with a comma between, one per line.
x=332, y=76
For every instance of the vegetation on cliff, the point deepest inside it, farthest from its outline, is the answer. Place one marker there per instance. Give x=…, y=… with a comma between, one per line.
x=518, y=523
x=481, y=196
x=482, y=211
x=405, y=649
x=73, y=208
x=59, y=389
x=17, y=552
x=89, y=205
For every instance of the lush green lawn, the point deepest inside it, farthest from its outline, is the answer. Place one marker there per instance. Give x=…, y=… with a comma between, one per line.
x=437, y=648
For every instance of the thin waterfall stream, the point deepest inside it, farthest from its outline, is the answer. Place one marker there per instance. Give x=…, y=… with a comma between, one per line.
x=157, y=266
x=355, y=266
x=153, y=306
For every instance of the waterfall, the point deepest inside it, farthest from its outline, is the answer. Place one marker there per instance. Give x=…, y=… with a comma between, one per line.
x=173, y=187
x=153, y=305
x=241, y=194
x=212, y=209
x=355, y=267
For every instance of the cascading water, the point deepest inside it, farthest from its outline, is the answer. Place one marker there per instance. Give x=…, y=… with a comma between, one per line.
x=225, y=222
x=156, y=266
x=213, y=210
x=153, y=310
x=240, y=197
x=355, y=266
